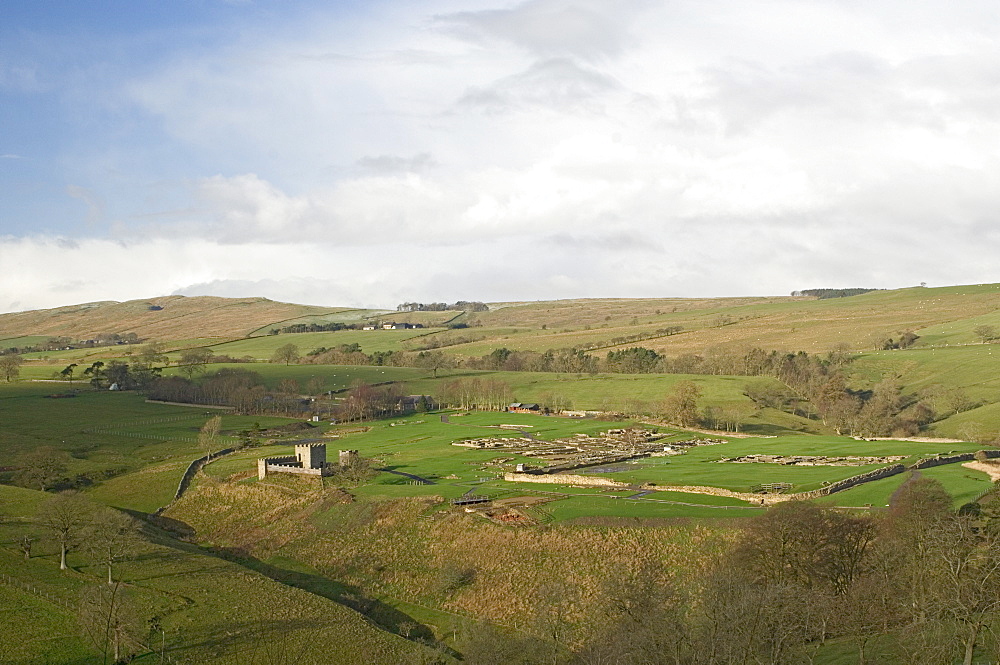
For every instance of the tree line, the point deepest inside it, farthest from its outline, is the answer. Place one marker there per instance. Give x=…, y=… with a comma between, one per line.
x=816, y=386
x=823, y=294
x=462, y=305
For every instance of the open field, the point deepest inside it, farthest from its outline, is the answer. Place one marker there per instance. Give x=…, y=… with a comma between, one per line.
x=24, y=340
x=333, y=315
x=135, y=451
x=332, y=377
x=369, y=340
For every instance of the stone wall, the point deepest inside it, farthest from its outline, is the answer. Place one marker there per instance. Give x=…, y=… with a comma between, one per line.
x=192, y=469
x=951, y=459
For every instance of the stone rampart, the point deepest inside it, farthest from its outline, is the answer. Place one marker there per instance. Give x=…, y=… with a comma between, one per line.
x=563, y=479
x=291, y=468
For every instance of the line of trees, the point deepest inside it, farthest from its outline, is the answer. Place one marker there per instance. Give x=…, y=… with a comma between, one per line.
x=823, y=294
x=313, y=327
x=463, y=305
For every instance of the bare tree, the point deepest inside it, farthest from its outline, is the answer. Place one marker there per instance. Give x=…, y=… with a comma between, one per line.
x=289, y=387
x=112, y=621
x=434, y=361
x=209, y=435
x=111, y=537
x=680, y=406
x=65, y=516
x=25, y=543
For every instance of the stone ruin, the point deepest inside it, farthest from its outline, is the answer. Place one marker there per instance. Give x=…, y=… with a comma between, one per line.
x=814, y=460
x=579, y=450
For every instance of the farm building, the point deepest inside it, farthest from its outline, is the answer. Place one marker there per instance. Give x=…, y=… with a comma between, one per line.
x=518, y=407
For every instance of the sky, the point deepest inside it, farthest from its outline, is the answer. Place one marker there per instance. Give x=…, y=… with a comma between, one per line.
x=371, y=152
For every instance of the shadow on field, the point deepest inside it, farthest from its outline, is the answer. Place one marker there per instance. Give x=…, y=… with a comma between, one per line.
x=263, y=641
x=382, y=615
x=163, y=531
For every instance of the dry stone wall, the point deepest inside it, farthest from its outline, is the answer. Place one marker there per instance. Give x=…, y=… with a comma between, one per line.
x=951, y=459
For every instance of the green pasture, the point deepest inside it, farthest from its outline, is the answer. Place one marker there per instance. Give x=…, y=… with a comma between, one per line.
x=963, y=484
x=700, y=465
x=604, y=391
x=34, y=630
x=23, y=340
x=984, y=419
x=133, y=452
x=579, y=506
x=333, y=377
x=369, y=340
x=875, y=493
x=335, y=315
x=976, y=368
x=421, y=445
x=959, y=332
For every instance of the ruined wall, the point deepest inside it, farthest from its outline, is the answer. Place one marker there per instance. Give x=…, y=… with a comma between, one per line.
x=291, y=468
x=563, y=479
x=760, y=499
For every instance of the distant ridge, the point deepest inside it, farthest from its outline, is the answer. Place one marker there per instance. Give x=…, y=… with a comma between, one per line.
x=166, y=317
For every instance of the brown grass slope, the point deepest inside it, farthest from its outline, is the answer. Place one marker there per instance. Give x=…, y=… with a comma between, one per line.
x=181, y=318
x=786, y=323
x=781, y=322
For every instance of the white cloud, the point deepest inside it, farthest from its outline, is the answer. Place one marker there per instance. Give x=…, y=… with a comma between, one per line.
x=558, y=148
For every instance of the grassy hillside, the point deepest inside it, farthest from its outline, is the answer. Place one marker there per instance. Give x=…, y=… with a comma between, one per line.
x=944, y=315
x=212, y=610
x=788, y=323
x=180, y=317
